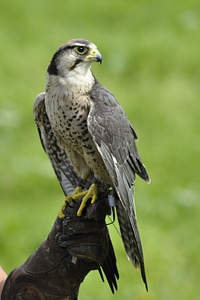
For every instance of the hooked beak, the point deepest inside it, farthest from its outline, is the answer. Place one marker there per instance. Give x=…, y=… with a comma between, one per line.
x=94, y=55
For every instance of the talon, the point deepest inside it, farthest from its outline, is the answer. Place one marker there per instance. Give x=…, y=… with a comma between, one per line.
x=61, y=212
x=90, y=193
x=68, y=199
x=94, y=193
x=77, y=191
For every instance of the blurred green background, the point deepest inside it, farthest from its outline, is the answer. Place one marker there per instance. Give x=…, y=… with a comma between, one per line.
x=151, y=52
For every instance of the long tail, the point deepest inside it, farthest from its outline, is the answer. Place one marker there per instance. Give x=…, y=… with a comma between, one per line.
x=131, y=240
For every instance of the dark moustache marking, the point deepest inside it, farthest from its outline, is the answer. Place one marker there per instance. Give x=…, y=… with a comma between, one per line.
x=52, y=68
x=76, y=63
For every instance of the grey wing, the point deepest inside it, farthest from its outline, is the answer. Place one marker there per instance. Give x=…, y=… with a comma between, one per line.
x=115, y=140
x=64, y=171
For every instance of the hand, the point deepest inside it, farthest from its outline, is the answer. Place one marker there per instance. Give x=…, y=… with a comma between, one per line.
x=3, y=277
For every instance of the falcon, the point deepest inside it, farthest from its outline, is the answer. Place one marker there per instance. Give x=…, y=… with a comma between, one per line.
x=68, y=179
x=88, y=137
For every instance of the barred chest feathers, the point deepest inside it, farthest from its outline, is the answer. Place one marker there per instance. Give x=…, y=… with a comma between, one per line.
x=67, y=106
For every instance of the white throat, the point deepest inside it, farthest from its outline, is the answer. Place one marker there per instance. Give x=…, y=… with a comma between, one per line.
x=74, y=82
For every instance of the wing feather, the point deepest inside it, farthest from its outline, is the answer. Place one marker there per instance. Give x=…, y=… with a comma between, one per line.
x=115, y=140
x=64, y=171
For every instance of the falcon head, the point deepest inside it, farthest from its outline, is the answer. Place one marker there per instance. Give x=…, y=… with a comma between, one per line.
x=77, y=55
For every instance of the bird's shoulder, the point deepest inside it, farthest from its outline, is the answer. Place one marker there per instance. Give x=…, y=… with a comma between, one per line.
x=107, y=111
x=101, y=96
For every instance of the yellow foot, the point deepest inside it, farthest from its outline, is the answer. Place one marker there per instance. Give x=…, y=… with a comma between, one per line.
x=68, y=199
x=79, y=193
x=90, y=193
x=61, y=212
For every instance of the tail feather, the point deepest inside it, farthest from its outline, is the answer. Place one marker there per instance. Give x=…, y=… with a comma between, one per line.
x=109, y=268
x=132, y=243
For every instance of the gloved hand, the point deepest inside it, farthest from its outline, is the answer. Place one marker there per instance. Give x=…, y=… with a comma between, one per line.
x=74, y=246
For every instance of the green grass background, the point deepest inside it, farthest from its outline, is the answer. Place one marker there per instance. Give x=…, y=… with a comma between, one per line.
x=151, y=52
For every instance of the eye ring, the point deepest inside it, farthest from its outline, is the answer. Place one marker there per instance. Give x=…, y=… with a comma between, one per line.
x=81, y=50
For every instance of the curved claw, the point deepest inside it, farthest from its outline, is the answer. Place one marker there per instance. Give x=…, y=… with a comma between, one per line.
x=68, y=199
x=92, y=192
x=61, y=212
x=77, y=191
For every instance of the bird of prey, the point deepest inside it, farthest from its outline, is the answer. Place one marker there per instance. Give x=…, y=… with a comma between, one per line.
x=88, y=137
x=68, y=179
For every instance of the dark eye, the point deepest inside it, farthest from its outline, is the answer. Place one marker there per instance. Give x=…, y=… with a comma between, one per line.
x=81, y=49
